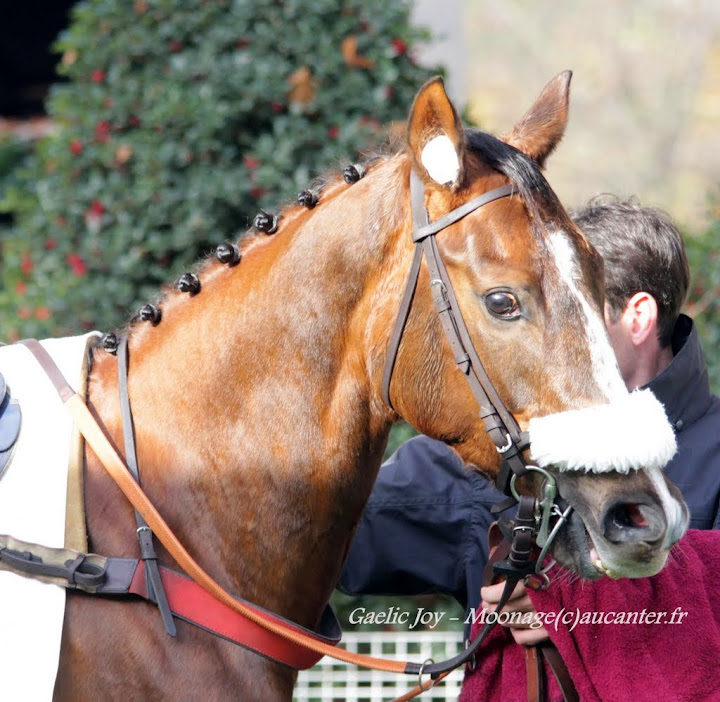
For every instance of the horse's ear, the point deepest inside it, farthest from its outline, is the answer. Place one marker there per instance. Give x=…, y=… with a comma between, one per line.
x=540, y=130
x=435, y=136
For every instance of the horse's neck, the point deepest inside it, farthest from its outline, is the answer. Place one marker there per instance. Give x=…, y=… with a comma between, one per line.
x=258, y=423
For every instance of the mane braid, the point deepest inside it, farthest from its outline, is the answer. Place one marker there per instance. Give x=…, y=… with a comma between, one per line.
x=331, y=181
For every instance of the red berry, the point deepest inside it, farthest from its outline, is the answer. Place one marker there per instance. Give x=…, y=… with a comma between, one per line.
x=43, y=313
x=97, y=209
x=400, y=46
x=334, y=132
x=98, y=76
x=175, y=46
x=76, y=146
x=102, y=130
x=21, y=287
x=26, y=265
x=251, y=162
x=77, y=264
x=51, y=244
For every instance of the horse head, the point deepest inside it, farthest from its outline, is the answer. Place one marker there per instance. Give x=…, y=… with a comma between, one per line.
x=530, y=288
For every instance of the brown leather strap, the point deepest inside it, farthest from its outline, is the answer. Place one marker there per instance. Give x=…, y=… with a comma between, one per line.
x=144, y=533
x=535, y=675
x=458, y=213
x=499, y=551
x=483, y=388
x=403, y=313
x=560, y=671
x=534, y=655
x=419, y=216
x=410, y=694
x=51, y=370
x=111, y=461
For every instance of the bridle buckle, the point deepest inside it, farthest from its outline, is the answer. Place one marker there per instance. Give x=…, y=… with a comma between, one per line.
x=507, y=446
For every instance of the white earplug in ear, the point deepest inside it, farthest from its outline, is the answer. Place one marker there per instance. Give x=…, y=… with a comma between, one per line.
x=441, y=160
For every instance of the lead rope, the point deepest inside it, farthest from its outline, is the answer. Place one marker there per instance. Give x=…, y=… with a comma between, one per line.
x=116, y=468
x=515, y=568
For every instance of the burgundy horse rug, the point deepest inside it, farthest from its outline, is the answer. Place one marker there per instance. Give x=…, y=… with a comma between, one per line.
x=644, y=639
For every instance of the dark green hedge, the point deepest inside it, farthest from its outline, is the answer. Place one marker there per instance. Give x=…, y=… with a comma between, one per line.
x=178, y=122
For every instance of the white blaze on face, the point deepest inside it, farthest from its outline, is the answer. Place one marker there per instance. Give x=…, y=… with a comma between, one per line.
x=628, y=431
x=605, y=367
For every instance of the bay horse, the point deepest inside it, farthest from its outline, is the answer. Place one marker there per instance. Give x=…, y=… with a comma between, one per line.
x=258, y=410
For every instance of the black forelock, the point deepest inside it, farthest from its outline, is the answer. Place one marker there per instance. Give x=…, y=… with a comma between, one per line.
x=519, y=168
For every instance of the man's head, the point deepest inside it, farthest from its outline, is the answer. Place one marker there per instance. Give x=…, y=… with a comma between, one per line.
x=646, y=281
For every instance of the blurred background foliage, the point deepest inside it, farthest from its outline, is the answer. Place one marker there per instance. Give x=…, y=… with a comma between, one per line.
x=704, y=300
x=176, y=123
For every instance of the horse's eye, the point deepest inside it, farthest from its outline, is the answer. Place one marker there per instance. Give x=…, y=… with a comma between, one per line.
x=502, y=304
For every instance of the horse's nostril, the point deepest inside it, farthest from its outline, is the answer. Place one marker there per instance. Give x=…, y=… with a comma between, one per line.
x=632, y=522
x=629, y=515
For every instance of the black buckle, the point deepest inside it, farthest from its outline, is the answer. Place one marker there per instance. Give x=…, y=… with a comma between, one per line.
x=519, y=562
x=508, y=569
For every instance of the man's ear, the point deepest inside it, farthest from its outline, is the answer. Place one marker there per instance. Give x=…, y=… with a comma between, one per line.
x=435, y=136
x=640, y=317
x=541, y=129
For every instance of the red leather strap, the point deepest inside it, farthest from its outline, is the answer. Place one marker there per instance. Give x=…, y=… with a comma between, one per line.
x=192, y=603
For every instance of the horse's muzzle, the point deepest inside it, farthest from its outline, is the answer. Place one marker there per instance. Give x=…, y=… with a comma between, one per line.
x=624, y=526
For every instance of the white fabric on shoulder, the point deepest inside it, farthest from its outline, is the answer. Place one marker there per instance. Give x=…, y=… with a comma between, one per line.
x=32, y=508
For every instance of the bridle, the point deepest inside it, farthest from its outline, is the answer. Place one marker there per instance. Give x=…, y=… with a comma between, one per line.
x=500, y=424
x=531, y=526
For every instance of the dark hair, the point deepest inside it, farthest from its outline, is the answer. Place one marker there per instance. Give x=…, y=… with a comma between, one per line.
x=522, y=171
x=643, y=251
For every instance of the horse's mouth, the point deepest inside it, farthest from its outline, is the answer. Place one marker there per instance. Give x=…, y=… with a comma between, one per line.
x=579, y=552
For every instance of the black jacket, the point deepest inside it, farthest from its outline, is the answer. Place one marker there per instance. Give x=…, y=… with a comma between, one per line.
x=425, y=526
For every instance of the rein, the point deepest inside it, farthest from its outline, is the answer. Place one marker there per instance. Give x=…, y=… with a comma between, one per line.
x=533, y=517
